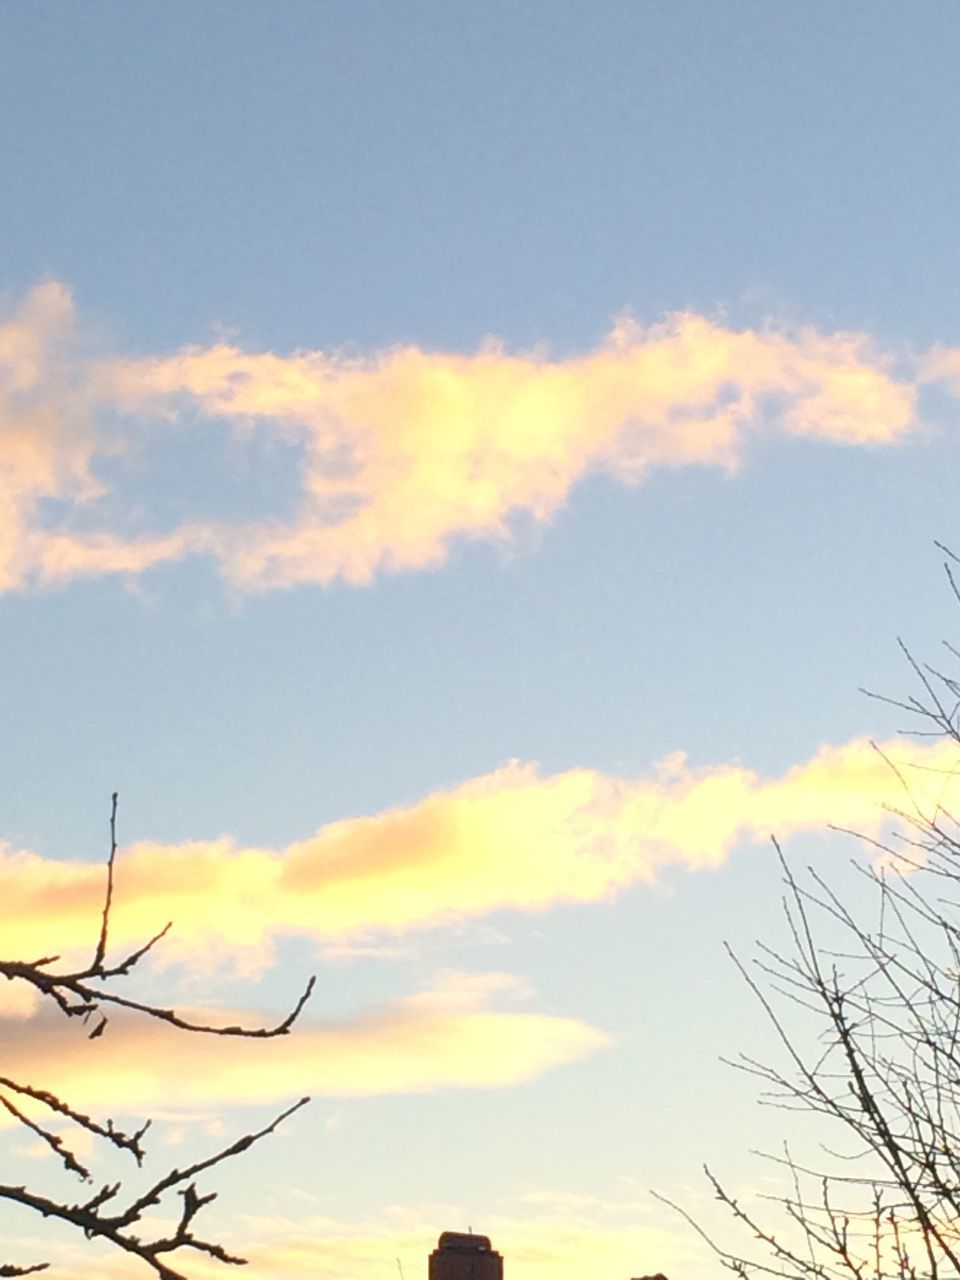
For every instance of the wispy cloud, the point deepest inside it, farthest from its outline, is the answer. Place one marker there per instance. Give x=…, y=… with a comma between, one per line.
x=400, y=453
x=565, y=1247
x=553, y=1240
x=450, y=1035
x=512, y=839
x=408, y=449
x=46, y=436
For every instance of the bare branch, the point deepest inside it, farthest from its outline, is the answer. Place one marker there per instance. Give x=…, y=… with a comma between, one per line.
x=108, y=900
x=76, y=996
x=883, y=1063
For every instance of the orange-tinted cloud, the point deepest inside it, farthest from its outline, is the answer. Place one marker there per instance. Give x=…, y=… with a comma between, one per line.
x=448, y=1036
x=409, y=449
x=942, y=364
x=563, y=1237
x=398, y=454
x=512, y=839
x=565, y=1247
x=46, y=442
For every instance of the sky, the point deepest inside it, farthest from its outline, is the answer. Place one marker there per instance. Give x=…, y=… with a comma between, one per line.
x=459, y=465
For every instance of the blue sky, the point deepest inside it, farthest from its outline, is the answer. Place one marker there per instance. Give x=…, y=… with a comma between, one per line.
x=229, y=226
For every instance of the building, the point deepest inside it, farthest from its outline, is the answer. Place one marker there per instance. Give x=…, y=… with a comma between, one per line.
x=463, y=1256
x=460, y=1255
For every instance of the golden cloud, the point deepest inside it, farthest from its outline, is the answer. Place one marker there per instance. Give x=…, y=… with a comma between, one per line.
x=513, y=839
x=536, y=1248
x=409, y=449
x=574, y=1237
x=400, y=453
x=46, y=442
x=447, y=1036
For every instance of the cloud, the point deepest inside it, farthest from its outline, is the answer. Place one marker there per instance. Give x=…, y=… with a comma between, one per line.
x=61, y=557
x=398, y=454
x=447, y=1036
x=542, y=1248
x=514, y=839
x=562, y=1238
x=46, y=440
x=408, y=449
x=942, y=364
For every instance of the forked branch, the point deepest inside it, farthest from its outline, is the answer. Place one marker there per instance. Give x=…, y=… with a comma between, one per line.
x=85, y=994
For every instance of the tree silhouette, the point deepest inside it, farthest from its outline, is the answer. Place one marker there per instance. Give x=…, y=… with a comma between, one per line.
x=883, y=1201
x=88, y=994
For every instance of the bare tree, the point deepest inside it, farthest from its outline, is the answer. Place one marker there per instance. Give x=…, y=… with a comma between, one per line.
x=882, y=1068
x=88, y=994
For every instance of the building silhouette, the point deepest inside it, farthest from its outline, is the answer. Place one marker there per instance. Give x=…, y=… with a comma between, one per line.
x=460, y=1255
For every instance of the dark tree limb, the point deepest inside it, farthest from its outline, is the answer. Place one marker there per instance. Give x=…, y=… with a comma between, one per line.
x=75, y=995
x=114, y=1226
x=883, y=1065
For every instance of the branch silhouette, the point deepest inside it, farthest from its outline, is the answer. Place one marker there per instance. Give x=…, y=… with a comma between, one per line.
x=88, y=995
x=876, y=1058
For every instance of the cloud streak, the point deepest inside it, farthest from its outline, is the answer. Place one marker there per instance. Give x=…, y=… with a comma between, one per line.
x=561, y=1238
x=450, y=1035
x=514, y=839
x=593, y=1239
x=46, y=434
x=401, y=453
x=409, y=449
